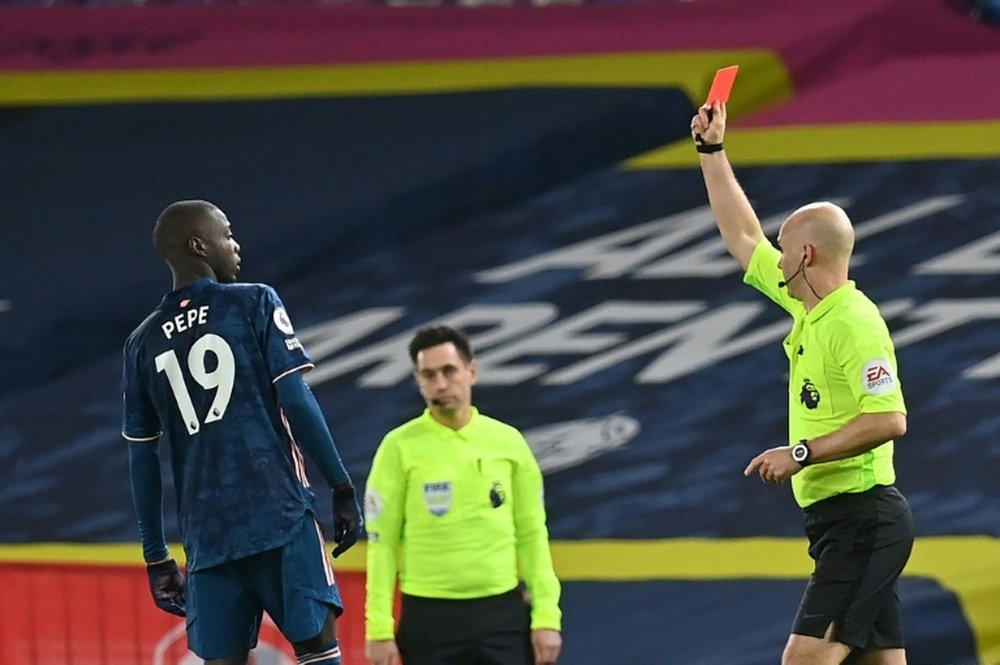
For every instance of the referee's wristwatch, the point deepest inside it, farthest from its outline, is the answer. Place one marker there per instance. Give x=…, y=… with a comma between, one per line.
x=801, y=453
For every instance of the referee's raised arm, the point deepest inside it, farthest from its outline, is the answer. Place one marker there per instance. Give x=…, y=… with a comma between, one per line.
x=737, y=221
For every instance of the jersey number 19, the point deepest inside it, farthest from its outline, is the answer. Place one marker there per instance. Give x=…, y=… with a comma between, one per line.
x=220, y=379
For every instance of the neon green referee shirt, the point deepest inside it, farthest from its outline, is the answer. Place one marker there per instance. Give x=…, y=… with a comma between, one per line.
x=841, y=364
x=458, y=511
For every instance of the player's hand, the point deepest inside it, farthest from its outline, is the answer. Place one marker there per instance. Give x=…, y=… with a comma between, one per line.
x=546, y=644
x=709, y=126
x=347, y=519
x=382, y=652
x=166, y=583
x=774, y=465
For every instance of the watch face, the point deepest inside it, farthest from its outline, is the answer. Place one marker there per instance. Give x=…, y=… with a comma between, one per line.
x=799, y=452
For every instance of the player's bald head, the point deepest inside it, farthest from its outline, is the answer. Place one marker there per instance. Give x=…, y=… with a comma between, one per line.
x=824, y=225
x=178, y=222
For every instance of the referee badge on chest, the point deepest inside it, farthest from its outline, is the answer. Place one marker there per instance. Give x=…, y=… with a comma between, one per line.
x=437, y=497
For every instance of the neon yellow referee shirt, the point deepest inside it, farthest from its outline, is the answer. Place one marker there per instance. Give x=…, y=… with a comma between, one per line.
x=458, y=511
x=841, y=364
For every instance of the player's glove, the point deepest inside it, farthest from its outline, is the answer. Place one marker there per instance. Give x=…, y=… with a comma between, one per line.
x=166, y=583
x=347, y=520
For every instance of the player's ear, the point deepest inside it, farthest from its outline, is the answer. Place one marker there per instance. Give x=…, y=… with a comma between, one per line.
x=197, y=246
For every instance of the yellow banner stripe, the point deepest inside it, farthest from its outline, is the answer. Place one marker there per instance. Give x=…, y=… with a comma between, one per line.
x=764, y=79
x=808, y=144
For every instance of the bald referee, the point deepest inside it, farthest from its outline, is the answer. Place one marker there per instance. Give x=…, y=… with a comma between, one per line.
x=845, y=407
x=455, y=499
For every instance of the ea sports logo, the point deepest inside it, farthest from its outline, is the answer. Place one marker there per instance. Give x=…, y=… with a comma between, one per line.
x=877, y=377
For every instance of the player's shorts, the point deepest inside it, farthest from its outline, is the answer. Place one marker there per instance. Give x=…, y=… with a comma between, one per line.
x=860, y=543
x=495, y=630
x=294, y=584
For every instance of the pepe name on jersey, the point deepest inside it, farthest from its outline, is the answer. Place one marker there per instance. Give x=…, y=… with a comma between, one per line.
x=185, y=320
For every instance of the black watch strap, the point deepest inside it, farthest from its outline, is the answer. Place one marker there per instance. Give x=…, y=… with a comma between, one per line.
x=801, y=453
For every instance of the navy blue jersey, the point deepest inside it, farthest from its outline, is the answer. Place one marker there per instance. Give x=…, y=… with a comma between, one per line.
x=200, y=372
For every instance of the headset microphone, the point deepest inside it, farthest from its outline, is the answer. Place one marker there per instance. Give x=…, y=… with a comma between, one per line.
x=785, y=282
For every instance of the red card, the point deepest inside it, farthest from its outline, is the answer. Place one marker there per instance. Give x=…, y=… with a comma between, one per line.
x=722, y=84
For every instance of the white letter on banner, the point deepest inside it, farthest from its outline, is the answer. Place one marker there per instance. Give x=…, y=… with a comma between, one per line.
x=706, y=259
x=569, y=337
x=988, y=369
x=981, y=257
x=906, y=214
x=614, y=254
x=940, y=316
x=709, y=259
x=325, y=339
x=696, y=344
x=392, y=362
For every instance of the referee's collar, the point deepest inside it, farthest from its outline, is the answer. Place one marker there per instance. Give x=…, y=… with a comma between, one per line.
x=464, y=432
x=831, y=300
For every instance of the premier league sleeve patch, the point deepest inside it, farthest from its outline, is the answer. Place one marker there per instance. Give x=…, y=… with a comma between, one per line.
x=373, y=505
x=438, y=497
x=877, y=377
x=282, y=322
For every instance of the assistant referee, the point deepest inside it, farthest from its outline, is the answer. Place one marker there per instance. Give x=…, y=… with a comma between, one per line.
x=454, y=505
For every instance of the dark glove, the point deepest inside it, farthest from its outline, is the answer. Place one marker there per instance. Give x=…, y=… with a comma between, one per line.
x=347, y=520
x=166, y=583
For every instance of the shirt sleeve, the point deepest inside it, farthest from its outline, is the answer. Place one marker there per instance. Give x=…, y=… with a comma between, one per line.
x=139, y=419
x=385, y=494
x=533, y=553
x=147, y=498
x=282, y=350
x=309, y=428
x=868, y=360
x=764, y=273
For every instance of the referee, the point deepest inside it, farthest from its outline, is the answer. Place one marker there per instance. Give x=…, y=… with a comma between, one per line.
x=845, y=407
x=454, y=508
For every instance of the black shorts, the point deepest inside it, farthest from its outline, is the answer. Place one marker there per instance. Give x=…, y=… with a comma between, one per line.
x=495, y=630
x=860, y=543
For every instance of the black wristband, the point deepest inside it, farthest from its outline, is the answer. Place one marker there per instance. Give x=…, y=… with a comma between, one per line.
x=168, y=565
x=708, y=147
